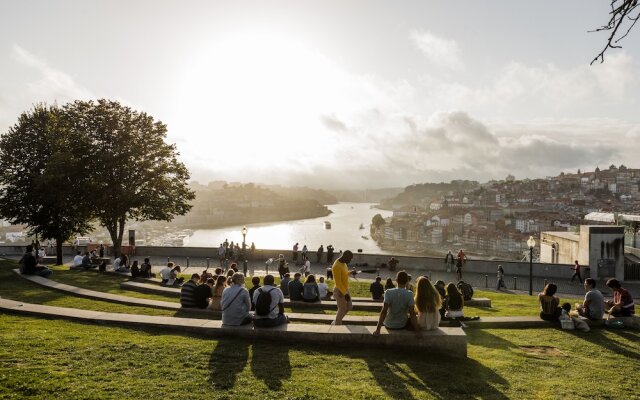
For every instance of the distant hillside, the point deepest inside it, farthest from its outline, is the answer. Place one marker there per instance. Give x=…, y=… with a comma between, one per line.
x=366, y=196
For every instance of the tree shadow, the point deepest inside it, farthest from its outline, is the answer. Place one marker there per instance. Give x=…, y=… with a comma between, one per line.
x=270, y=363
x=228, y=359
x=597, y=336
x=398, y=372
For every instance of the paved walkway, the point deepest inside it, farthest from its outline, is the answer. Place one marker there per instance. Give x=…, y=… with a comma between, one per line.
x=516, y=284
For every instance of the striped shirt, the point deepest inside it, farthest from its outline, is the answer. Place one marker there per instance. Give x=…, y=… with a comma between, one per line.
x=187, y=298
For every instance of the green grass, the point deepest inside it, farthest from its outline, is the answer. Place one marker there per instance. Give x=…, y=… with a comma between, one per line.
x=503, y=304
x=68, y=360
x=59, y=359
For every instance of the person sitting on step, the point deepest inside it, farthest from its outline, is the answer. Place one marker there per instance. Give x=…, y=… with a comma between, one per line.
x=377, y=290
x=235, y=302
x=295, y=288
x=187, y=292
x=549, y=303
x=428, y=303
x=398, y=311
x=269, y=302
x=310, y=290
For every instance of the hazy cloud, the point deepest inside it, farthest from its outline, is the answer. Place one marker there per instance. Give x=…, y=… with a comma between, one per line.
x=440, y=51
x=333, y=123
x=45, y=84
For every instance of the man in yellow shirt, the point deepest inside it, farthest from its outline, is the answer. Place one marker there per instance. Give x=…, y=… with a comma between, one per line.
x=340, y=271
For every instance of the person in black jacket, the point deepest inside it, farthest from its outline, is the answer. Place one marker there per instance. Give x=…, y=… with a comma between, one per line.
x=29, y=265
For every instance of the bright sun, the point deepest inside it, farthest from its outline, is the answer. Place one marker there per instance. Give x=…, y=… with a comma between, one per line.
x=261, y=93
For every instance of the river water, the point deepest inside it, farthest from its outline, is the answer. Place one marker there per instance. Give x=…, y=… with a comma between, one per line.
x=344, y=234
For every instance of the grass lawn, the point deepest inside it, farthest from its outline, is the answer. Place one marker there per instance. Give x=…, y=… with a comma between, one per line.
x=59, y=359
x=66, y=360
x=503, y=304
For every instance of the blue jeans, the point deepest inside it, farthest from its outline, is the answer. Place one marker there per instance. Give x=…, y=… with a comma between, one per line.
x=270, y=322
x=43, y=272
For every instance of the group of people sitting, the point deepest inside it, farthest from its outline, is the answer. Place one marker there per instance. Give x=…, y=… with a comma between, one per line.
x=418, y=308
x=226, y=293
x=310, y=291
x=594, y=306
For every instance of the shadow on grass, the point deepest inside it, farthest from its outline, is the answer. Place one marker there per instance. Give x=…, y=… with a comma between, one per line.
x=480, y=337
x=228, y=359
x=597, y=336
x=270, y=363
x=398, y=372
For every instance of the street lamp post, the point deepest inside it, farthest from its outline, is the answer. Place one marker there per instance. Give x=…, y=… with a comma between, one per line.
x=244, y=246
x=531, y=243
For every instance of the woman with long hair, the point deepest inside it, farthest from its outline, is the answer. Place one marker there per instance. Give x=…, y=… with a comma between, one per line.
x=455, y=302
x=310, y=290
x=549, y=303
x=221, y=283
x=427, y=304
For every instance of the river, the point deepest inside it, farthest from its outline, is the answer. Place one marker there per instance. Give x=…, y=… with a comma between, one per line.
x=344, y=234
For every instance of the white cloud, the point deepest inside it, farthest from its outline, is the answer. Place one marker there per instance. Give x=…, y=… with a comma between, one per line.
x=40, y=82
x=440, y=51
x=52, y=83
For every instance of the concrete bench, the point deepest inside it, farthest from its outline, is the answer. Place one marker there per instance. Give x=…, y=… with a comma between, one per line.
x=175, y=306
x=95, y=269
x=175, y=292
x=447, y=341
x=47, y=260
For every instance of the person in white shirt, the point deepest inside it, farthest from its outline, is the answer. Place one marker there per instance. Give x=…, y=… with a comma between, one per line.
x=120, y=264
x=306, y=268
x=272, y=313
x=77, y=260
x=165, y=273
x=323, y=289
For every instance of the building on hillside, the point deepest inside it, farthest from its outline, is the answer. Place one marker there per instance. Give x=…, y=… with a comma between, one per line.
x=597, y=246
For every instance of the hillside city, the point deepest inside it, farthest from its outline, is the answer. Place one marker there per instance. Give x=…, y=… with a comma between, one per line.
x=497, y=217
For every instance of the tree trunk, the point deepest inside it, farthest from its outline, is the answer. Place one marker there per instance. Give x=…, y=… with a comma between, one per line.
x=116, y=231
x=59, y=241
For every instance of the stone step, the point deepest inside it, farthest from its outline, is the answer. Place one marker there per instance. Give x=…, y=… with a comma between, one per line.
x=446, y=341
x=175, y=306
x=325, y=304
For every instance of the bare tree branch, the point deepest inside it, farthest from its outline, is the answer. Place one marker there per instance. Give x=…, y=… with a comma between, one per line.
x=622, y=12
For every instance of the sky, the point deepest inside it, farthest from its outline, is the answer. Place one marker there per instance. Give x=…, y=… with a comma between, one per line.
x=341, y=94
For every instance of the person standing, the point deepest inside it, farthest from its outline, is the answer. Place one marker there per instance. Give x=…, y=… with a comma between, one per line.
x=393, y=264
x=576, y=271
x=500, y=278
x=319, y=254
x=304, y=253
x=101, y=250
x=294, y=253
x=340, y=272
x=461, y=259
x=330, y=254
x=448, y=260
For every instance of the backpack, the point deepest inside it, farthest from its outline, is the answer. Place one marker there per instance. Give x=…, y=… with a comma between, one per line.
x=263, y=302
x=466, y=290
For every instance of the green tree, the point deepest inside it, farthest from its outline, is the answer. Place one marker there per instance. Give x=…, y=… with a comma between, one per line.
x=136, y=175
x=42, y=171
x=377, y=221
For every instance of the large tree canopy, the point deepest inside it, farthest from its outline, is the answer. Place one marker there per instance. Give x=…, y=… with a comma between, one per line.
x=42, y=170
x=135, y=173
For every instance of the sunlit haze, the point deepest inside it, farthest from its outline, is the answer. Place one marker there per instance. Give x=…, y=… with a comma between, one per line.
x=337, y=94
